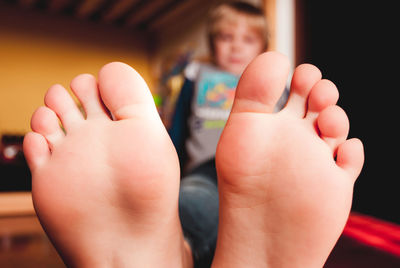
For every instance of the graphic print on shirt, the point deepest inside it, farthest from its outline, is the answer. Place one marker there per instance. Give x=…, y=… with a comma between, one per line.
x=215, y=94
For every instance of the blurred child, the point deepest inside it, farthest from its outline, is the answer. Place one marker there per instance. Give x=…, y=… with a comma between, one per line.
x=237, y=33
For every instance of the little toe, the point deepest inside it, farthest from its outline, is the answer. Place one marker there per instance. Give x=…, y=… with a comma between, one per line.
x=323, y=94
x=124, y=92
x=36, y=150
x=333, y=125
x=85, y=88
x=45, y=122
x=304, y=78
x=261, y=84
x=58, y=99
x=350, y=156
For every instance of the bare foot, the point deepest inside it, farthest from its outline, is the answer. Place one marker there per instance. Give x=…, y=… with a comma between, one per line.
x=106, y=192
x=286, y=179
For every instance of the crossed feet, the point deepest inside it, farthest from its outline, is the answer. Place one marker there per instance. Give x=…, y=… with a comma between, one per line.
x=106, y=189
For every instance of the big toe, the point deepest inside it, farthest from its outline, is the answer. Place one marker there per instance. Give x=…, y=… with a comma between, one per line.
x=124, y=91
x=262, y=83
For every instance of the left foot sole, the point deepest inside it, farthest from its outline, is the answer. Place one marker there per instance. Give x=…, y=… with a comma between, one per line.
x=106, y=189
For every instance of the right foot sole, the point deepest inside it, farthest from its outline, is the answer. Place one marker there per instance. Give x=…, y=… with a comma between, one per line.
x=285, y=179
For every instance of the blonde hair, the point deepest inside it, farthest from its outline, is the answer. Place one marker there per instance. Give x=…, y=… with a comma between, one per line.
x=227, y=13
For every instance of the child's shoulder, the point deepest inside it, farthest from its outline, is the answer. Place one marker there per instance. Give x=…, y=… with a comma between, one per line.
x=191, y=70
x=194, y=67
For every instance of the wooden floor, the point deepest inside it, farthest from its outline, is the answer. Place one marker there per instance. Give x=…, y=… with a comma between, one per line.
x=23, y=243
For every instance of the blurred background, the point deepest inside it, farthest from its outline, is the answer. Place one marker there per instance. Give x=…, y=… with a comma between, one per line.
x=354, y=43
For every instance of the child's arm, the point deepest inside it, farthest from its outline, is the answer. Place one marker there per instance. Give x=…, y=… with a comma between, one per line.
x=178, y=130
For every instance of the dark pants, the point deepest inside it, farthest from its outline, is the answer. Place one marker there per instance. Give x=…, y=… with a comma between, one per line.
x=198, y=210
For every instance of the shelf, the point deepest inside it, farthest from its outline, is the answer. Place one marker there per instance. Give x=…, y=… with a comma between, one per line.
x=16, y=204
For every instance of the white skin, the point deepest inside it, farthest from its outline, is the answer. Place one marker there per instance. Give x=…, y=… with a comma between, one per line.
x=236, y=45
x=106, y=191
x=285, y=179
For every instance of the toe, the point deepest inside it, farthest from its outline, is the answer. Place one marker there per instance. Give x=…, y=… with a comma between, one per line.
x=124, y=92
x=45, y=122
x=304, y=78
x=261, y=84
x=36, y=150
x=333, y=125
x=58, y=99
x=85, y=88
x=323, y=94
x=350, y=157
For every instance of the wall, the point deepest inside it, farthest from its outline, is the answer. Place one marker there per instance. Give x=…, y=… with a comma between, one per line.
x=357, y=48
x=285, y=32
x=39, y=49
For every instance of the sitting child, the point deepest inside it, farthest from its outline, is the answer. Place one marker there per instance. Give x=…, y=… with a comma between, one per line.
x=237, y=33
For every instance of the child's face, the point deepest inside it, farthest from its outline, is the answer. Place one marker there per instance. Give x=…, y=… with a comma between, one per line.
x=236, y=46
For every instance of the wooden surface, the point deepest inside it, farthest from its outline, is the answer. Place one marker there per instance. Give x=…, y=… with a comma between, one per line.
x=16, y=204
x=23, y=244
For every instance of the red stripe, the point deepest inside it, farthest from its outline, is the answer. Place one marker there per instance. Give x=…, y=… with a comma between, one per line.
x=374, y=232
